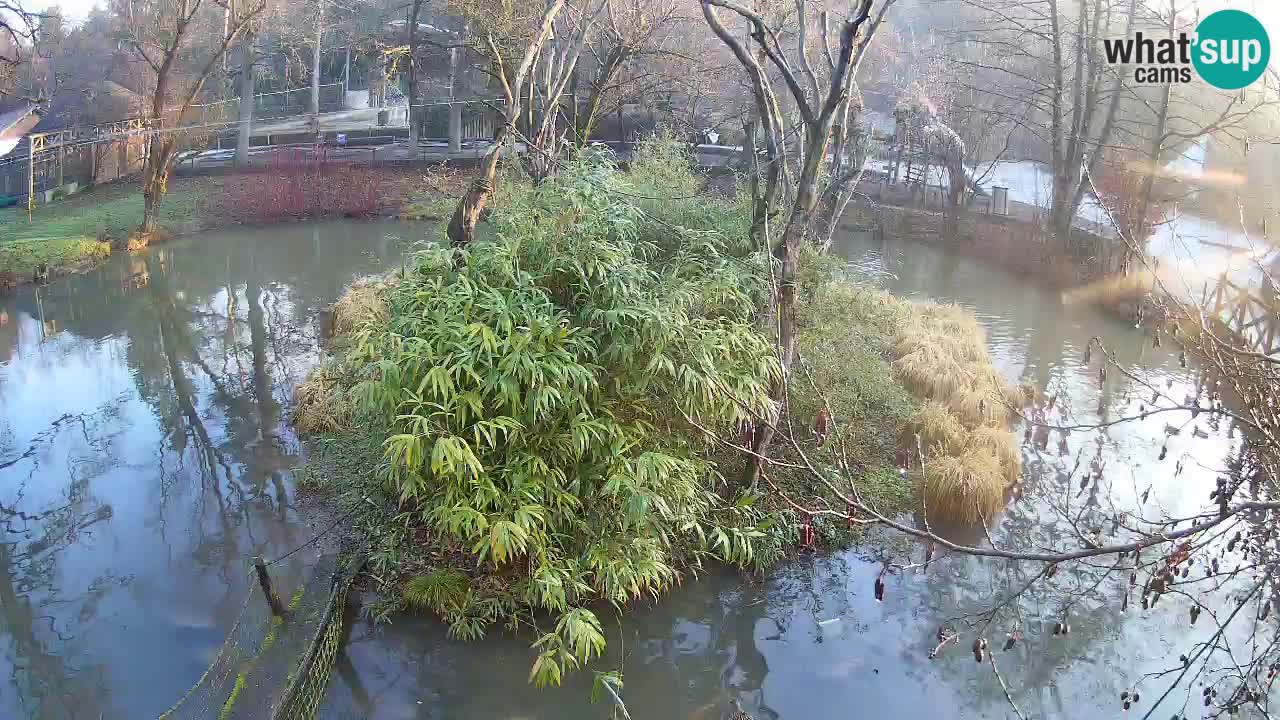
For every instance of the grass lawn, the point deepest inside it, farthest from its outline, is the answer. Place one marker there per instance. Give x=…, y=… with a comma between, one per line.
x=20, y=259
x=68, y=236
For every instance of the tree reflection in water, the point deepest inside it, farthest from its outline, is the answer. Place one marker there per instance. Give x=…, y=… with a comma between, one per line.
x=124, y=534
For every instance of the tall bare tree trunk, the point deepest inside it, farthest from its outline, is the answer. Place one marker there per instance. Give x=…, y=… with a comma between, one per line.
x=1078, y=163
x=155, y=182
x=155, y=170
x=244, y=129
x=595, y=99
x=1055, y=120
x=414, y=9
x=462, y=226
x=151, y=195
x=161, y=135
x=1138, y=233
x=455, y=62
x=789, y=250
x=818, y=114
x=455, y=77
x=315, y=59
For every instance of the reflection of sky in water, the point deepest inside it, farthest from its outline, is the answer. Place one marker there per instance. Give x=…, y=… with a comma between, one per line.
x=158, y=463
x=810, y=641
x=1193, y=252
x=1179, y=237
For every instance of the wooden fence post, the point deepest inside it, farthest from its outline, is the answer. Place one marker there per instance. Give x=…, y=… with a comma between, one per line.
x=265, y=581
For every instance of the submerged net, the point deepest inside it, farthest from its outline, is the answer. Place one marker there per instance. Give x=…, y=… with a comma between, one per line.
x=306, y=688
x=273, y=668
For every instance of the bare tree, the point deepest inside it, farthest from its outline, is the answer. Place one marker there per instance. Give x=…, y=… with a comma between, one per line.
x=18, y=31
x=848, y=140
x=554, y=70
x=462, y=225
x=245, y=61
x=415, y=10
x=164, y=35
x=820, y=108
x=315, y=57
x=628, y=31
x=1042, y=56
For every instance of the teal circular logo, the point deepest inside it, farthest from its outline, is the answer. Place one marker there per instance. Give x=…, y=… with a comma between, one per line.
x=1231, y=49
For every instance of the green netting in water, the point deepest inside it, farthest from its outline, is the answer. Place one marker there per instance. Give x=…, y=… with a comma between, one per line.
x=309, y=682
x=273, y=668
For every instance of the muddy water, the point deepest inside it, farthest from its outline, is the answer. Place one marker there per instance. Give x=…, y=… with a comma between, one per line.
x=810, y=641
x=145, y=455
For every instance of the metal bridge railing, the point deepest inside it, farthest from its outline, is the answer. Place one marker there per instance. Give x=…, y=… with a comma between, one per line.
x=267, y=106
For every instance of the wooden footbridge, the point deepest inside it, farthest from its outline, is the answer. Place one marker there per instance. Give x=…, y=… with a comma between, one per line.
x=1251, y=314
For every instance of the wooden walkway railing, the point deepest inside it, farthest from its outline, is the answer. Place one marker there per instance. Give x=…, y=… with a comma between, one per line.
x=1250, y=313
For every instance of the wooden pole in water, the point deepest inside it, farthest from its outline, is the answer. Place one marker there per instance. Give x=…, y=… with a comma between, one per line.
x=265, y=581
x=31, y=176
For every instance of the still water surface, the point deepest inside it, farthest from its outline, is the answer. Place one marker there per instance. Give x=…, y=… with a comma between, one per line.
x=145, y=455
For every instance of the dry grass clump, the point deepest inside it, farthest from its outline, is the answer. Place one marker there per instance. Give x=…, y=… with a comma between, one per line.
x=1003, y=445
x=321, y=404
x=963, y=488
x=1114, y=288
x=930, y=372
x=939, y=430
x=971, y=458
x=979, y=405
x=362, y=303
x=942, y=356
x=964, y=345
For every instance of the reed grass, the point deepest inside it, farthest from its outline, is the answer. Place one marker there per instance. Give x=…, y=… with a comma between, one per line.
x=964, y=488
x=321, y=404
x=362, y=303
x=971, y=458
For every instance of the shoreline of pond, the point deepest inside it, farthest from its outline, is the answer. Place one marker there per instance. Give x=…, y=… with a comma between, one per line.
x=1012, y=243
x=205, y=204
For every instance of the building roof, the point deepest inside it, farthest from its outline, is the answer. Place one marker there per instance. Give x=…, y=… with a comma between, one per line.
x=11, y=118
x=15, y=124
x=422, y=27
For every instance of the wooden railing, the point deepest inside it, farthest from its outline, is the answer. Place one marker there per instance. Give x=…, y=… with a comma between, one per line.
x=1252, y=314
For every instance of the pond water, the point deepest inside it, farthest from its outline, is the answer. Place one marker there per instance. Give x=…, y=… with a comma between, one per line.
x=145, y=456
x=1192, y=249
